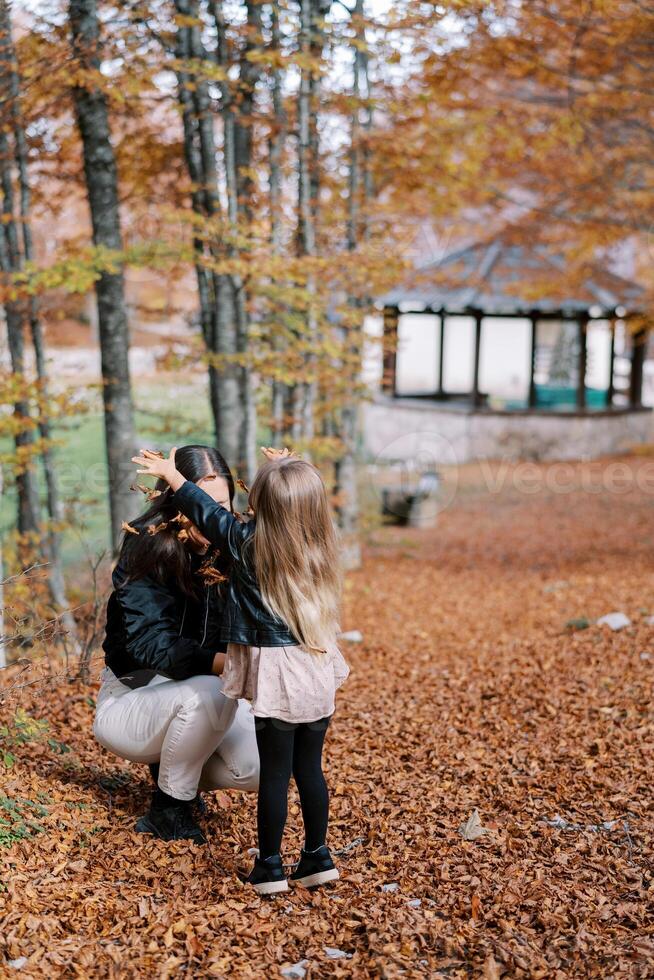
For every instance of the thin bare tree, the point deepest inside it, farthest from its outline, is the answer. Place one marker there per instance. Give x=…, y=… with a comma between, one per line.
x=311, y=43
x=10, y=263
x=276, y=144
x=237, y=110
x=101, y=175
x=359, y=193
x=214, y=288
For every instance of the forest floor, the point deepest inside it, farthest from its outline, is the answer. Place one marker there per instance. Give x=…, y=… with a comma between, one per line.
x=475, y=687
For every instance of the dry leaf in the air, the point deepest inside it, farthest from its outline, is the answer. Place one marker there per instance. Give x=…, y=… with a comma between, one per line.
x=272, y=453
x=128, y=528
x=148, y=491
x=471, y=828
x=212, y=576
x=208, y=571
x=241, y=483
x=155, y=528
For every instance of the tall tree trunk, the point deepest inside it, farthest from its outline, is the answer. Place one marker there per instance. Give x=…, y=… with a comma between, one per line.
x=237, y=152
x=52, y=544
x=224, y=380
x=10, y=262
x=359, y=186
x=250, y=73
x=311, y=47
x=316, y=44
x=276, y=155
x=102, y=190
x=27, y=497
x=214, y=290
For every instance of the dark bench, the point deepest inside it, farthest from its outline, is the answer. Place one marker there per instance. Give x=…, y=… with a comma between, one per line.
x=415, y=504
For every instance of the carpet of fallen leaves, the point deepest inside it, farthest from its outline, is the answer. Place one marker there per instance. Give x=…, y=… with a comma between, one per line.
x=469, y=691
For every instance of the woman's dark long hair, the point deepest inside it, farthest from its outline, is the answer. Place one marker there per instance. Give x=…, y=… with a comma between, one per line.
x=162, y=556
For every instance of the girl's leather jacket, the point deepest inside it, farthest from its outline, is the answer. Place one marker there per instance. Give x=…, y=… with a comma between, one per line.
x=246, y=618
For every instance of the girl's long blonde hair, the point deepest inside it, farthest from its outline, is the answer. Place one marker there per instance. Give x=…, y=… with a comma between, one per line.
x=295, y=552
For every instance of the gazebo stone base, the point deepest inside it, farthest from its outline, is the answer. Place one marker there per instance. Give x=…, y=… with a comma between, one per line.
x=426, y=433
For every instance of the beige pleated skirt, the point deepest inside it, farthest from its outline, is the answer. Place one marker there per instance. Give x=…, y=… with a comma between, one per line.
x=288, y=683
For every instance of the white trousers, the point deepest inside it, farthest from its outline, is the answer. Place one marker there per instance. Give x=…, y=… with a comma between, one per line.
x=200, y=738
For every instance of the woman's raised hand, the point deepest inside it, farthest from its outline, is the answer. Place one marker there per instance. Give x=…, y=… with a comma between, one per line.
x=154, y=464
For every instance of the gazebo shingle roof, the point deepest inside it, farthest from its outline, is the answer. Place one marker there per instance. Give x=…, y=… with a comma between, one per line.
x=507, y=279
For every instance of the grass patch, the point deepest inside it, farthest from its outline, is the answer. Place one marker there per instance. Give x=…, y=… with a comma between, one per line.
x=22, y=729
x=17, y=819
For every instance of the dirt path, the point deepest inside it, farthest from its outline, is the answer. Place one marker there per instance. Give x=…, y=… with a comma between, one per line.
x=467, y=692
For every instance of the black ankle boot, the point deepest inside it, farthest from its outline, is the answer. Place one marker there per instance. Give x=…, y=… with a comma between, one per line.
x=172, y=821
x=198, y=803
x=267, y=876
x=315, y=868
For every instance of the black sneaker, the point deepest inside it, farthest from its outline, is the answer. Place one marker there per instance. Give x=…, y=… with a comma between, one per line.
x=315, y=868
x=197, y=802
x=267, y=876
x=175, y=822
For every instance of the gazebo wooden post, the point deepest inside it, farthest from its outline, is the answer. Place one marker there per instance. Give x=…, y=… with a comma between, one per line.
x=389, y=371
x=583, y=360
x=476, y=398
x=441, y=354
x=637, y=362
x=611, y=388
x=533, y=319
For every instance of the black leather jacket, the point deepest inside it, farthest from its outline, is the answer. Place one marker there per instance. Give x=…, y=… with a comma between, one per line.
x=246, y=618
x=154, y=628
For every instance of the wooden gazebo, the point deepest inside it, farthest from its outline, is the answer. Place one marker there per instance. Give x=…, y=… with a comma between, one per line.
x=500, y=279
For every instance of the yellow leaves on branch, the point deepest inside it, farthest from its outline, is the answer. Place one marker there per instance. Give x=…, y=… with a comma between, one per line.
x=20, y=459
x=186, y=20
x=78, y=272
x=16, y=389
x=94, y=80
x=199, y=70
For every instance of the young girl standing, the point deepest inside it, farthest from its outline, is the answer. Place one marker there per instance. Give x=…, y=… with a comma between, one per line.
x=280, y=623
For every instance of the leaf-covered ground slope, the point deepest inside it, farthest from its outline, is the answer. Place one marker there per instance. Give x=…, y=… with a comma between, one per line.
x=468, y=692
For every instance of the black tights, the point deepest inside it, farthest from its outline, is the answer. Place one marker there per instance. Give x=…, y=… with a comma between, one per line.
x=287, y=749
